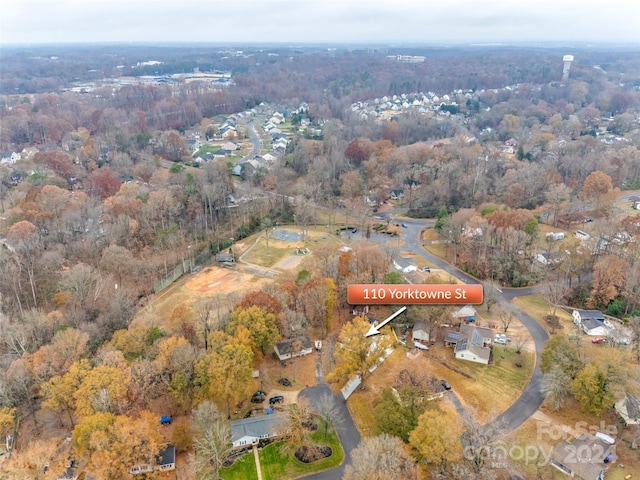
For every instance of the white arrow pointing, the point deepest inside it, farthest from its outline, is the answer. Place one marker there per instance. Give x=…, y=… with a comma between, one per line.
x=375, y=329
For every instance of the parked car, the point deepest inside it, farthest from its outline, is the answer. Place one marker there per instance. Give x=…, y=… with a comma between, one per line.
x=445, y=385
x=599, y=340
x=500, y=338
x=276, y=399
x=420, y=346
x=165, y=420
x=425, y=269
x=285, y=382
x=354, y=230
x=404, y=225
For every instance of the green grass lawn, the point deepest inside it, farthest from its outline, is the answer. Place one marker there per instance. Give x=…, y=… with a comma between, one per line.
x=243, y=468
x=267, y=257
x=279, y=463
x=536, y=306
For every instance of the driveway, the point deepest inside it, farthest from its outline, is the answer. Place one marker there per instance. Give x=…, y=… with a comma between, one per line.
x=347, y=431
x=531, y=397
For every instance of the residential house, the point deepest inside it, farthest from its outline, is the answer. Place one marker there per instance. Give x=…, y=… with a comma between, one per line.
x=629, y=410
x=280, y=142
x=277, y=118
x=288, y=349
x=249, y=431
x=229, y=147
x=192, y=144
x=228, y=132
x=9, y=158
x=405, y=265
x=246, y=169
x=396, y=194
x=471, y=343
x=420, y=331
x=268, y=158
x=592, y=322
x=374, y=200
x=585, y=457
x=163, y=462
x=474, y=344
x=279, y=150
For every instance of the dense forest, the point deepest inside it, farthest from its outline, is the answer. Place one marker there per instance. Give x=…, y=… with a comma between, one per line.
x=107, y=199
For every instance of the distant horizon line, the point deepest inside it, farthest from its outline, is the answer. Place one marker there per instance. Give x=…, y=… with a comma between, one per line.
x=551, y=44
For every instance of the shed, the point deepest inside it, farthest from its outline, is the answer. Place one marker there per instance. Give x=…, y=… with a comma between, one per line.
x=420, y=331
x=465, y=313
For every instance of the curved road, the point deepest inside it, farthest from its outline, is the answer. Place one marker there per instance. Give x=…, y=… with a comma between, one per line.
x=531, y=397
x=347, y=431
x=525, y=405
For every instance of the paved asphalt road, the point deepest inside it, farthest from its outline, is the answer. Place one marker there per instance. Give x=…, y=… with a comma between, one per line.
x=532, y=397
x=349, y=435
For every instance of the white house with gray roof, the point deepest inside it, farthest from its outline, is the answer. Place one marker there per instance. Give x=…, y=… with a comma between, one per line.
x=471, y=343
x=592, y=322
x=249, y=431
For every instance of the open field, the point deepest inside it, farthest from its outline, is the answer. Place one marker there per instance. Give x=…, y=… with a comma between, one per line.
x=227, y=285
x=279, y=252
x=221, y=283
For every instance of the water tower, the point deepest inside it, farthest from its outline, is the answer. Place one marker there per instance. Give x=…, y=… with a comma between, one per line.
x=568, y=60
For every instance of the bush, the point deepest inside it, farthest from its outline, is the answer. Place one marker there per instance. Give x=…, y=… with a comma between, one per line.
x=617, y=307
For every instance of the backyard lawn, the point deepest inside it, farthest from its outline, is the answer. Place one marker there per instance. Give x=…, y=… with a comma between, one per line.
x=279, y=463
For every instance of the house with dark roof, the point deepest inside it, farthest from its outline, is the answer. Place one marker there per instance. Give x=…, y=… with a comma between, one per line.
x=586, y=456
x=470, y=343
x=405, y=265
x=288, y=348
x=163, y=462
x=249, y=431
x=592, y=322
x=192, y=144
x=396, y=193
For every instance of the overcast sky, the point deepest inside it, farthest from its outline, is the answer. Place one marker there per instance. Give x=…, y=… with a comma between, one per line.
x=319, y=21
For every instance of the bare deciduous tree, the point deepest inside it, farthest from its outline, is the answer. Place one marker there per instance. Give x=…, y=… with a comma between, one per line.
x=381, y=458
x=553, y=293
x=329, y=411
x=211, y=439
